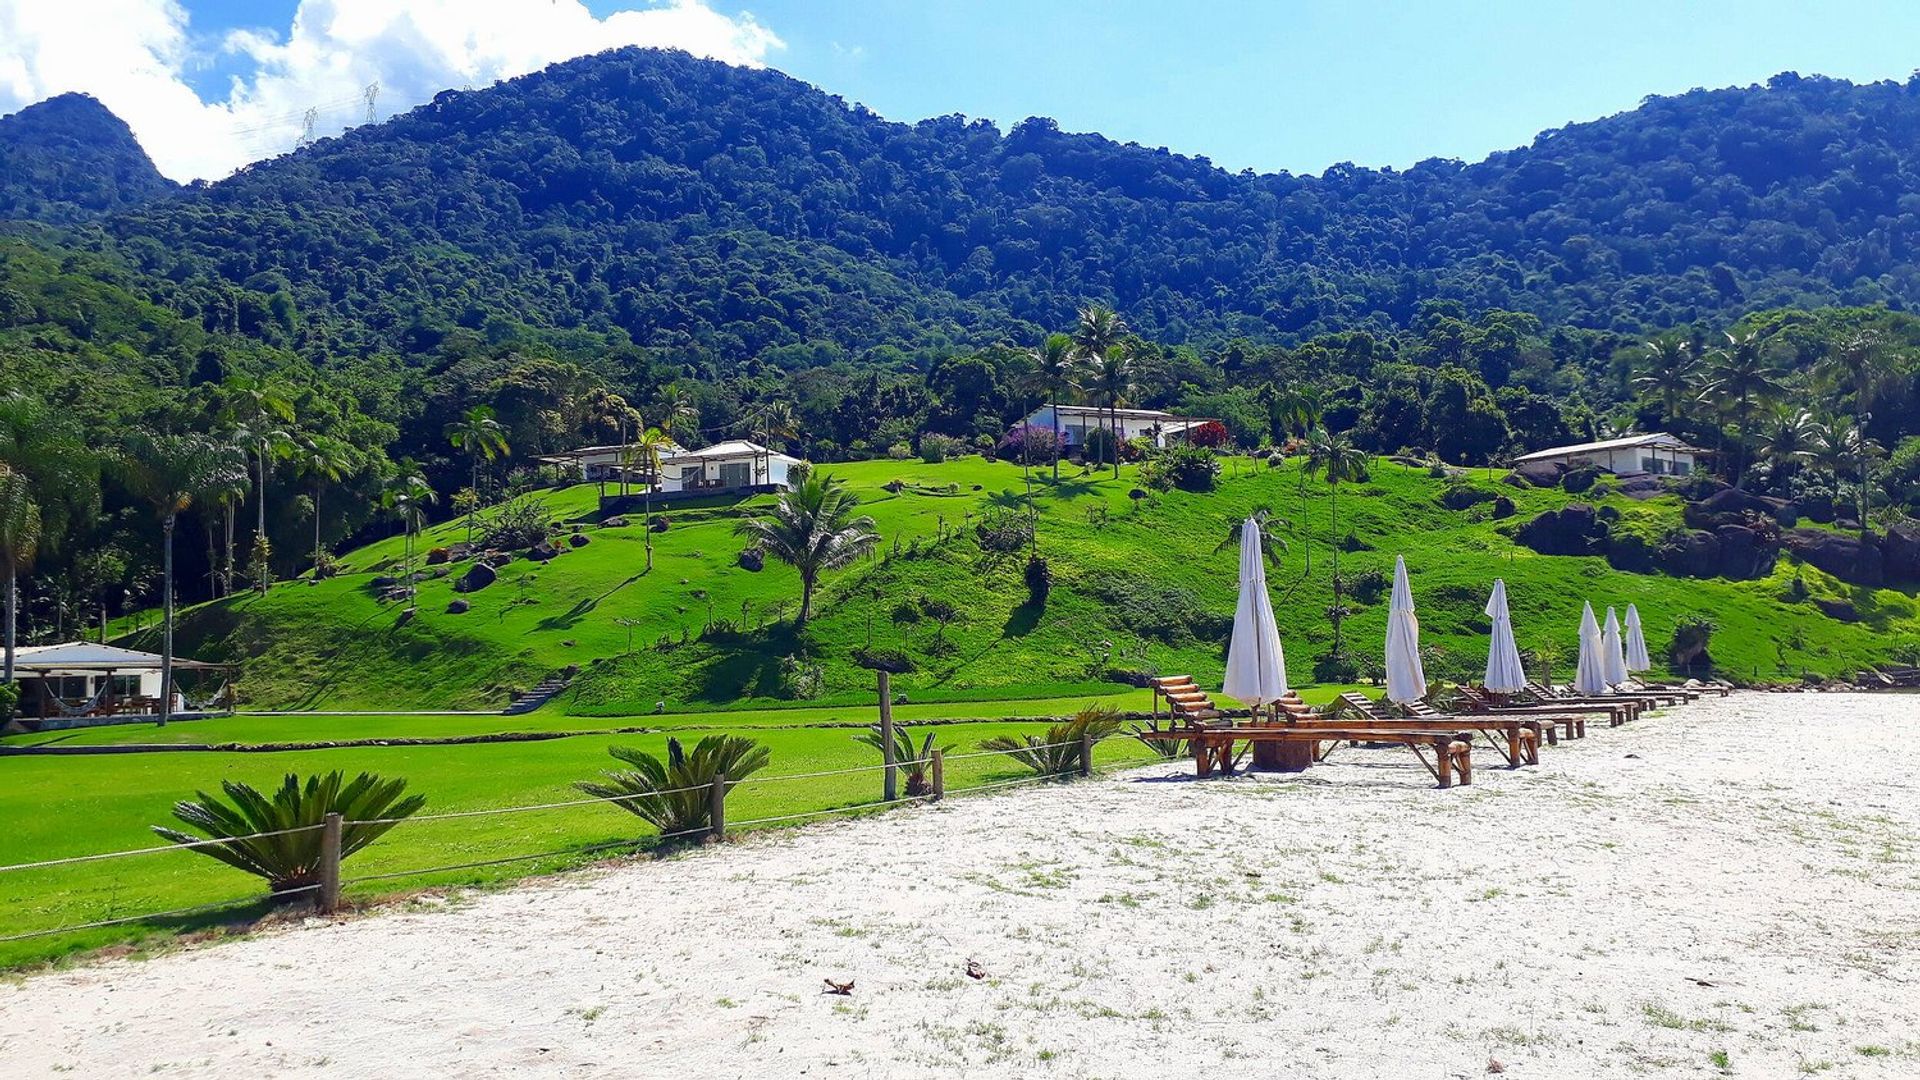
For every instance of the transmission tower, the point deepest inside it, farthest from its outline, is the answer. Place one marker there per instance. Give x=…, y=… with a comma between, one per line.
x=307, y=122
x=371, y=95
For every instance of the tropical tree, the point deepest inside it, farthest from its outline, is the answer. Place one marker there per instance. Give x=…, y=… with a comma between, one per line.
x=168, y=473
x=407, y=499
x=324, y=461
x=1269, y=525
x=1742, y=379
x=1339, y=462
x=1786, y=439
x=773, y=422
x=682, y=415
x=812, y=528
x=1110, y=377
x=1668, y=374
x=1290, y=411
x=1057, y=752
x=1099, y=339
x=1051, y=370
x=676, y=795
x=481, y=437
x=19, y=542
x=289, y=859
x=1837, y=445
x=262, y=417
x=645, y=453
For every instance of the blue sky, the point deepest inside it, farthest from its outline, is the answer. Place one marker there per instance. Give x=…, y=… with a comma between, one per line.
x=1286, y=84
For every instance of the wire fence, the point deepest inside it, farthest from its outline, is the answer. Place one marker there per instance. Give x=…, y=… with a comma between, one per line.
x=328, y=888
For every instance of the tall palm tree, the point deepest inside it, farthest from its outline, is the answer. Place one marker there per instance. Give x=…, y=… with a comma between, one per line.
x=682, y=415
x=1742, y=378
x=1839, y=446
x=772, y=422
x=1340, y=462
x=1786, y=439
x=324, y=461
x=1668, y=373
x=1051, y=372
x=1098, y=332
x=407, y=498
x=1293, y=410
x=482, y=437
x=812, y=528
x=19, y=542
x=645, y=453
x=168, y=472
x=1110, y=377
x=262, y=417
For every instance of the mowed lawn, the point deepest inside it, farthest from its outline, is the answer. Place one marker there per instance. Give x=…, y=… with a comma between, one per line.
x=62, y=806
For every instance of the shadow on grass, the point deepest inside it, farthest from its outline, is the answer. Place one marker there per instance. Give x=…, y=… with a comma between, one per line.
x=584, y=607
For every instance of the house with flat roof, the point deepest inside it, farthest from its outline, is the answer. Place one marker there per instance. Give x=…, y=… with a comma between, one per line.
x=605, y=464
x=1075, y=421
x=1658, y=453
x=84, y=683
x=734, y=465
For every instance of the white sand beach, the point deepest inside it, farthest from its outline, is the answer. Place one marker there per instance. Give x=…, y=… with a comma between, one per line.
x=1728, y=886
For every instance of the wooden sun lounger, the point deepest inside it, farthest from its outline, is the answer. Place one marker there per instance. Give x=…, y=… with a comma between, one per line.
x=1567, y=717
x=1623, y=708
x=1521, y=734
x=1213, y=747
x=1185, y=700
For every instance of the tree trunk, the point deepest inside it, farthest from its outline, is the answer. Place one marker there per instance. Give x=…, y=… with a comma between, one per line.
x=889, y=788
x=1056, y=434
x=166, y=610
x=806, y=600
x=226, y=571
x=260, y=528
x=13, y=612
x=1113, y=414
x=1334, y=493
x=646, y=523
x=316, y=532
x=473, y=487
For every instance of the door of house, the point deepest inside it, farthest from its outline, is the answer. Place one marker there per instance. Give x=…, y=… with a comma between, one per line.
x=735, y=474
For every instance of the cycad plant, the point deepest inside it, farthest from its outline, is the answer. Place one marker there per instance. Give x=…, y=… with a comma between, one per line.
x=912, y=760
x=291, y=860
x=1058, y=751
x=675, y=795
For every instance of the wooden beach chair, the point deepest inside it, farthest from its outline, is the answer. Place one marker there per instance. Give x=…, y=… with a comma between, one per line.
x=1569, y=719
x=1622, y=709
x=1214, y=747
x=1185, y=700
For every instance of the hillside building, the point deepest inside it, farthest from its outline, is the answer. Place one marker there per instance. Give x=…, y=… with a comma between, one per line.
x=1657, y=453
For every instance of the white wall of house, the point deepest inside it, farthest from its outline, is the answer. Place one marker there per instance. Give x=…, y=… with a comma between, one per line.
x=1077, y=420
x=1632, y=459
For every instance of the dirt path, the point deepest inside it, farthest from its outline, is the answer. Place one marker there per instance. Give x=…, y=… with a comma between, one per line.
x=1736, y=878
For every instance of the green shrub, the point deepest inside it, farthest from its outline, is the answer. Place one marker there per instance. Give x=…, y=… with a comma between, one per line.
x=1058, y=751
x=520, y=522
x=9, y=700
x=912, y=760
x=1039, y=578
x=1189, y=468
x=675, y=795
x=936, y=448
x=1098, y=447
x=371, y=805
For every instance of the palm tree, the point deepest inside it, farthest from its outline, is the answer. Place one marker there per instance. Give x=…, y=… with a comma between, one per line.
x=1839, y=446
x=1294, y=409
x=1741, y=378
x=482, y=437
x=812, y=528
x=683, y=416
x=1111, y=377
x=325, y=461
x=168, y=472
x=19, y=542
x=645, y=453
x=1340, y=462
x=1051, y=372
x=407, y=498
x=773, y=421
x=1098, y=344
x=1786, y=439
x=1668, y=374
x=257, y=409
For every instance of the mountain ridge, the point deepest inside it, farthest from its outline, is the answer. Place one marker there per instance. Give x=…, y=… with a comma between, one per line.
x=69, y=159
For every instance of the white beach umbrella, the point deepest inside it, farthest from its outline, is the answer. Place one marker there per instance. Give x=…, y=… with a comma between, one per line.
x=1505, y=673
x=1406, y=678
x=1637, y=659
x=1613, y=650
x=1256, y=666
x=1591, y=675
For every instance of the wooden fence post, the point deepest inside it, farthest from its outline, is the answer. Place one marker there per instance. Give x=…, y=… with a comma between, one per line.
x=329, y=900
x=717, y=829
x=1086, y=754
x=890, y=786
x=939, y=774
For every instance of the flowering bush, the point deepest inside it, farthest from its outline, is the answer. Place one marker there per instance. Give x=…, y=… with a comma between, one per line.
x=1212, y=434
x=1028, y=442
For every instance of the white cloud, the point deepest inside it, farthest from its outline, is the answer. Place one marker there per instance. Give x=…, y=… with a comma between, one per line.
x=133, y=55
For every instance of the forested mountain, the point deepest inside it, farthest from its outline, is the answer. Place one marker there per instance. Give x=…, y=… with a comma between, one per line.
x=719, y=212
x=69, y=159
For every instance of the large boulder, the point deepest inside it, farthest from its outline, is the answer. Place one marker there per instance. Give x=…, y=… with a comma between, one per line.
x=1900, y=553
x=1838, y=610
x=1847, y=557
x=1572, y=530
x=753, y=560
x=1642, y=486
x=541, y=552
x=1503, y=507
x=1537, y=474
x=1744, y=552
x=477, y=577
x=1575, y=481
x=1691, y=554
x=457, y=606
x=579, y=540
x=1629, y=552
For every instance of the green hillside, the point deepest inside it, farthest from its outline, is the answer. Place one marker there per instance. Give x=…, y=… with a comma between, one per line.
x=1136, y=589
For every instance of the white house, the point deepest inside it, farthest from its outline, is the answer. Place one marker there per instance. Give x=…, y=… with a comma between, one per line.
x=83, y=682
x=602, y=464
x=1077, y=420
x=726, y=466
x=1658, y=453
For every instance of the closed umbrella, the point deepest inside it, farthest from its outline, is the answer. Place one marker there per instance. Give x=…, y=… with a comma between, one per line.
x=1505, y=674
x=1256, y=667
x=1406, y=678
x=1637, y=659
x=1613, y=651
x=1591, y=675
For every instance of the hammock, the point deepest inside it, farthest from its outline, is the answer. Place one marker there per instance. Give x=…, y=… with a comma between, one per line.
x=86, y=708
x=219, y=699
